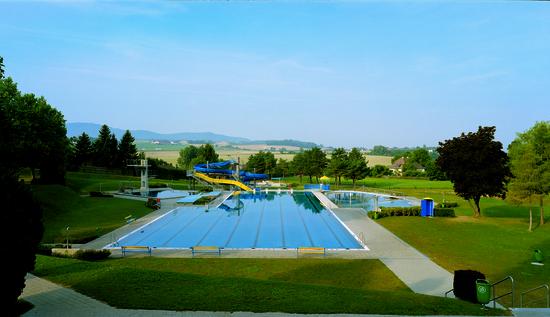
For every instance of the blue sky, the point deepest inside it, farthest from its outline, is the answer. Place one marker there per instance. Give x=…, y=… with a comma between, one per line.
x=337, y=73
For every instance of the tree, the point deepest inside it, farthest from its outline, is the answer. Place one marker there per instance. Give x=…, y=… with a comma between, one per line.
x=298, y=165
x=476, y=165
x=338, y=164
x=207, y=153
x=24, y=233
x=356, y=166
x=21, y=213
x=261, y=162
x=1, y=67
x=187, y=155
x=83, y=150
x=102, y=154
x=530, y=161
x=282, y=168
x=380, y=170
x=315, y=162
x=127, y=149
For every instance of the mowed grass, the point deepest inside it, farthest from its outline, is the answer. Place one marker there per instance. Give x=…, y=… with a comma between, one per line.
x=256, y=285
x=497, y=244
x=86, y=217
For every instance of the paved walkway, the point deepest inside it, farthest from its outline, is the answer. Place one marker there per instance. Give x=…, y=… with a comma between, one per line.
x=50, y=299
x=416, y=270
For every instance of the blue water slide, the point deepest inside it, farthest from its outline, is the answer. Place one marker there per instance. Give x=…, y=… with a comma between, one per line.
x=218, y=168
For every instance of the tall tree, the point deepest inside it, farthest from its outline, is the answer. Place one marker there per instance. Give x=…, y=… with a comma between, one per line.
x=127, y=150
x=282, y=168
x=113, y=152
x=1, y=67
x=83, y=150
x=338, y=164
x=476, y=165
x=261, y=162
x=530, y=158
x=356, y=166
x=102, y=154
x=525, y=183
x=207, y=153
x=298, y=165
x=187, y=155
x=315, y=162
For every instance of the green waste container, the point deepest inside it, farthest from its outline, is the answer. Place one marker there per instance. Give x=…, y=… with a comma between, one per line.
x=537, y=256
x=375, y=216
x=483, y=290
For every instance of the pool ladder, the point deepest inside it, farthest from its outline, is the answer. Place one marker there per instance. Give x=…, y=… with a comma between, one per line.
x=362, y=238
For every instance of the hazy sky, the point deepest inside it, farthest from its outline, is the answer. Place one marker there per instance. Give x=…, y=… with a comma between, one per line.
x=347, y=73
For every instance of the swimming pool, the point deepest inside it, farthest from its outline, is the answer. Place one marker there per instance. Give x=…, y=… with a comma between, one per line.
x=248, y=221
x=367, y=200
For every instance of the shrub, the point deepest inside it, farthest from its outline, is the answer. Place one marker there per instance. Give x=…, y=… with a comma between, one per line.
x=449, y=204
x=157, y=185
x=92, y=255
x=410, y=211
x=396, y=211
x=44, y=250
x=100, y=194
x=444, y=212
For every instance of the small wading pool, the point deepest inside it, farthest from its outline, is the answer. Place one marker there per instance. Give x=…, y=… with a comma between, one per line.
x=247, y=221
x=366, y=200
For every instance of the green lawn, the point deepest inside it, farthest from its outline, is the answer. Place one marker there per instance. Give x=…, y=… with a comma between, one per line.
x=257, y=285
x=497, y=244
x=87, y=217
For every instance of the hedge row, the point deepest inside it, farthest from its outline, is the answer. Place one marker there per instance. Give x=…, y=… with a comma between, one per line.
x=409, y=211
x=449, y=204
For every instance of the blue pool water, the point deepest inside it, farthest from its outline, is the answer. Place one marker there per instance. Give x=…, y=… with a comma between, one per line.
x=366, y=200
x=249, y=221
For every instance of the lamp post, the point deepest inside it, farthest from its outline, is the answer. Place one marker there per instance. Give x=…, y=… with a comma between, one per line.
x=67, y=245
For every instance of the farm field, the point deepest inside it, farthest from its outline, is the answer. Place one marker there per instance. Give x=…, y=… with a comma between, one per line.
x=171, y=156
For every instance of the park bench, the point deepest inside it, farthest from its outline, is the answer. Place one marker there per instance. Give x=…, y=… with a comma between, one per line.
x=311, y=250
x=135, y=248
x=206, y=249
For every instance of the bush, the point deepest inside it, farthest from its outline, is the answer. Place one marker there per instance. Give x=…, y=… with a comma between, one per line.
x=444, y=212
x=410, y=211
x=157, y=185
x=100, y=194
x=92, y=255
x=396, y=211
x=44, y=250
x=449, y=204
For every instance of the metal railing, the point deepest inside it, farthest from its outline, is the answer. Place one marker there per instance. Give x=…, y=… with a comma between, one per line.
x=449, y=291
x=511, y=292
x=543, y=286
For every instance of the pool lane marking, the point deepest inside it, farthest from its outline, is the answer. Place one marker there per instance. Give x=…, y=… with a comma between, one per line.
x=182, y=228
x=142, y=227
x=259, y=224
x=282, y=223
x=210, y=229
x=364, y=245
x=321, y=215
x=234, y=229
x=305, y=226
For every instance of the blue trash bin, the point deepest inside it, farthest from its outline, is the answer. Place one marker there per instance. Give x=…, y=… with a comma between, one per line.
x=427, y=207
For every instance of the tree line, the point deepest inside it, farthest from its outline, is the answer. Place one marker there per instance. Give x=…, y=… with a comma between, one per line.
x=105, y=151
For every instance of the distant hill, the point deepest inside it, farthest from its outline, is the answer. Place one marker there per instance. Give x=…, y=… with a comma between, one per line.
x=92, y=129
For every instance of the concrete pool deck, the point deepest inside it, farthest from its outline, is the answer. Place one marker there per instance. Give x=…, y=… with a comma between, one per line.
x=416, y=270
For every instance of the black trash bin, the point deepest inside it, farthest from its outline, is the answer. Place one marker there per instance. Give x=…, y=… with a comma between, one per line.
x=464, y=284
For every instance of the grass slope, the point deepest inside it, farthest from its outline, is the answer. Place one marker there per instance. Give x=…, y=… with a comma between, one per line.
x=87, y=217
x=258, y=285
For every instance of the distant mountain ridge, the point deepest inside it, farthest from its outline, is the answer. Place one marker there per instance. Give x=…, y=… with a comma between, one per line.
x=92, y=129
